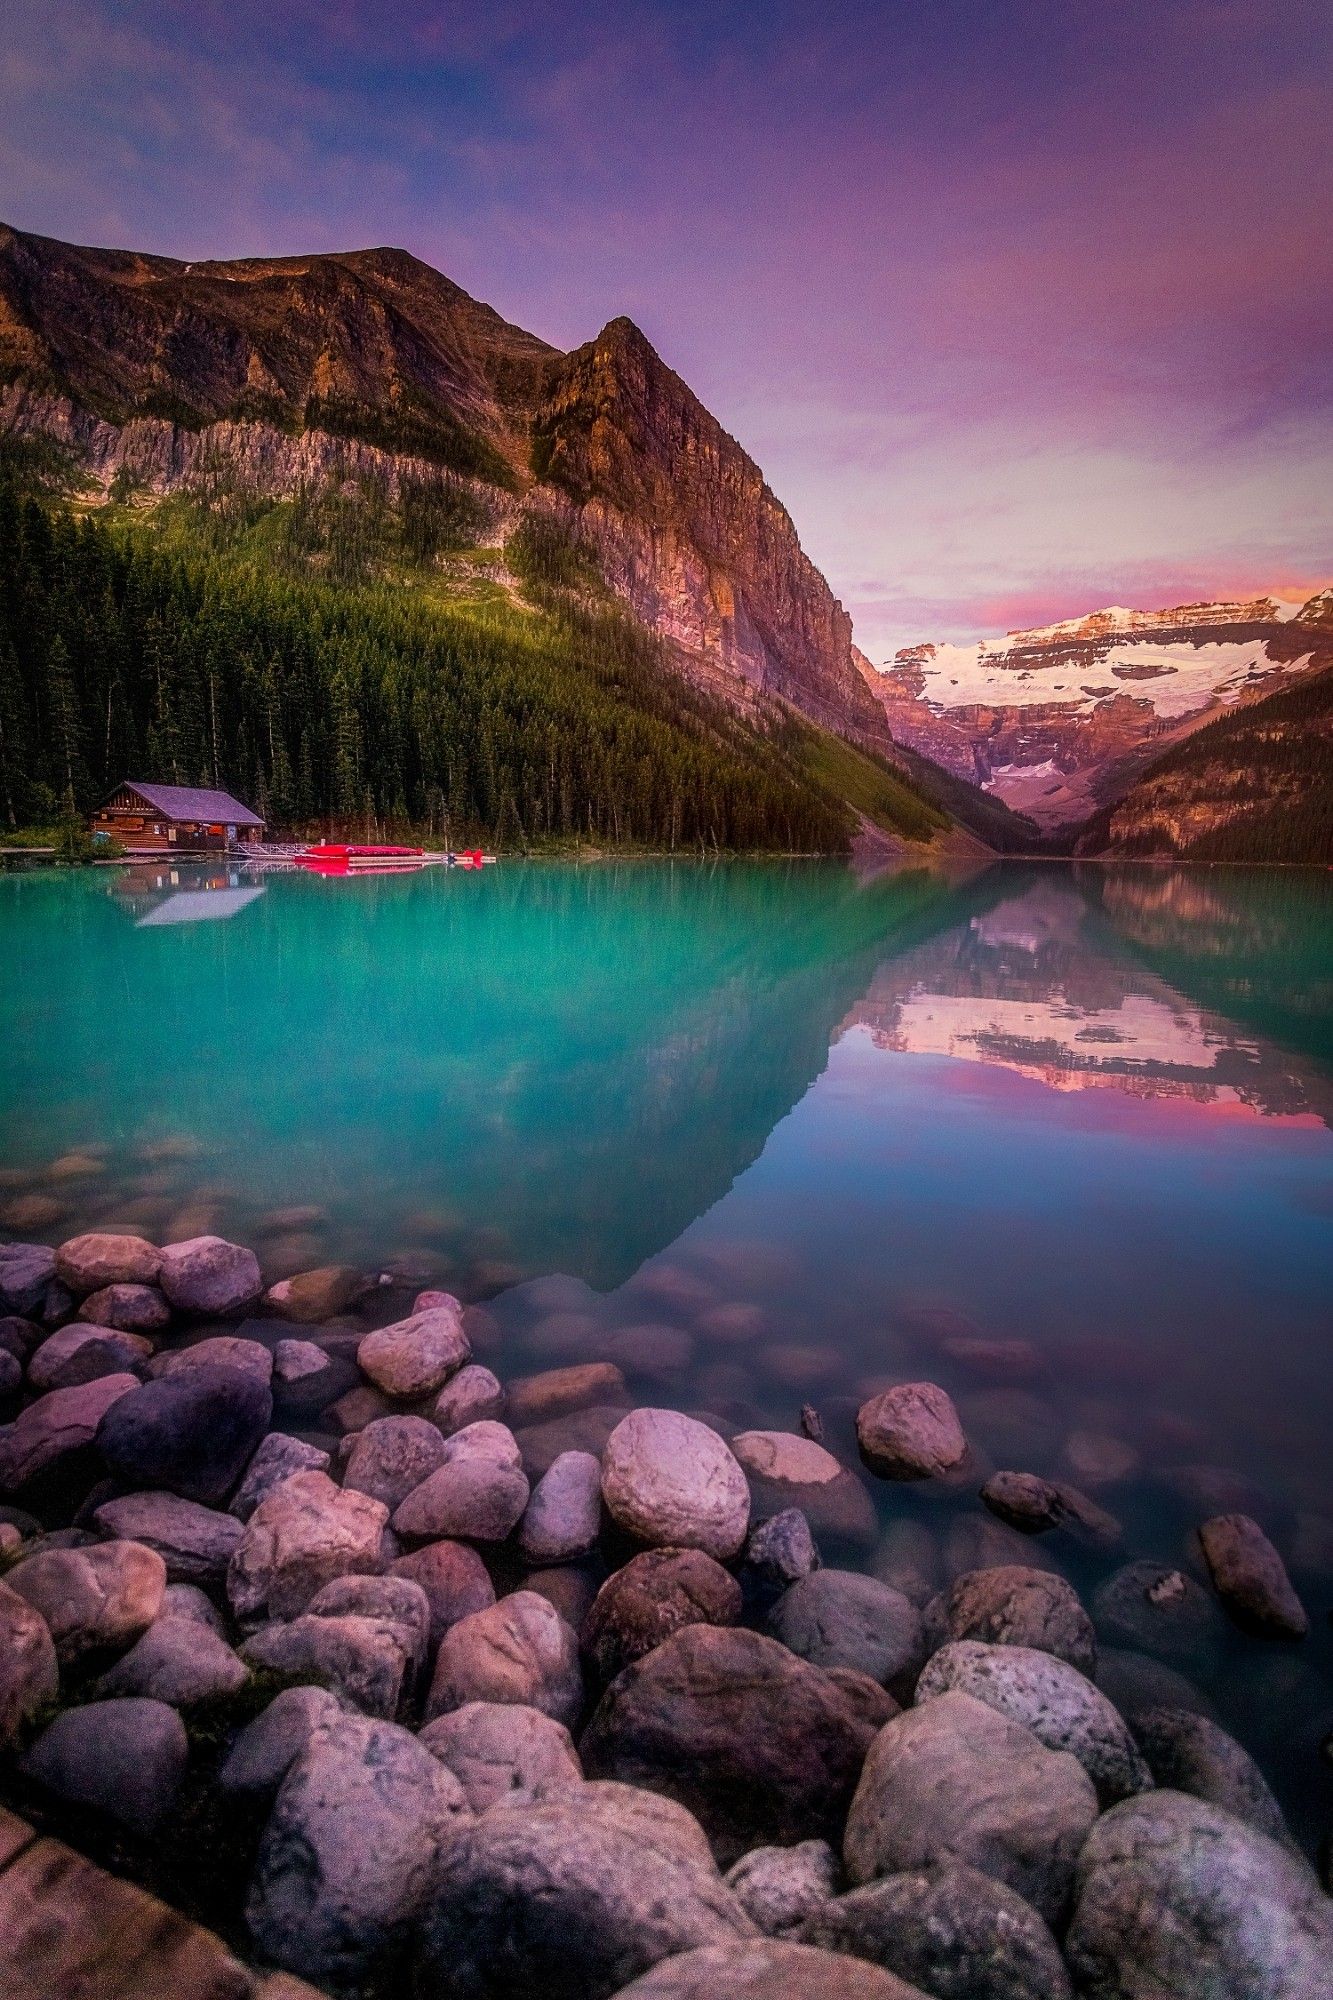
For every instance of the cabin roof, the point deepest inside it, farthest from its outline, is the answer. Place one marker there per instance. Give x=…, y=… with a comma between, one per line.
x=194, y=803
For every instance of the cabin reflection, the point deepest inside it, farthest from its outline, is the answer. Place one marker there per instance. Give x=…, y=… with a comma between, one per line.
x=173, y=895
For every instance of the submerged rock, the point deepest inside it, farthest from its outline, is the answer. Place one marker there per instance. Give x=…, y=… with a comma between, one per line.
x=1190, y=1753
x=670, y=1481
x=558, y=1392
x=1251, y=1578
x=785, y=1471
x=657, y=1593
x=311, y=1296
x=88, y=1263
x=911, y=1432
x=126, y=1759
x=1152, y=1607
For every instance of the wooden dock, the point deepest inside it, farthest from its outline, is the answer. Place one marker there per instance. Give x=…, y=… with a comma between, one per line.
x=70, y=1931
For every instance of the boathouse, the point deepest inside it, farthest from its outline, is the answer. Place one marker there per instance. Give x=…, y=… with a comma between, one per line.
x=175, y=819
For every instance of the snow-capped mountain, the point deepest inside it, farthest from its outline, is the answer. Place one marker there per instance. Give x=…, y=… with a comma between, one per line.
x=1058, y=720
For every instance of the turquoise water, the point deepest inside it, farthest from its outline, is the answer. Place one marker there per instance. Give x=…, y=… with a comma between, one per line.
x=1084, y=1110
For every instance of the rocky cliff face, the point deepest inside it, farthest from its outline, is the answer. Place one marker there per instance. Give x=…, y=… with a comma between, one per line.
x=282, y=373
x=1059, y=721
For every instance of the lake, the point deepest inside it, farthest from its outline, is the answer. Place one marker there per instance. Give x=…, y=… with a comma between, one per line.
x=1057, y=1137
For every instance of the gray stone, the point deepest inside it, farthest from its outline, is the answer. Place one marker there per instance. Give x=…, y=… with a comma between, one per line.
x=1013, y=1606
x=192, y=1433
x=772, y=1969
x=29, y=1673
x=88, y=1263
x=177, y=1661
x=296, y=1360
x=954, y=1780
x=303, y=1533
x=836, y=1618
x=656, y=1594
x=671, y=1482
x=519, y=1650
x=50, y=1439
x=564, y=1515
x=781, y=1550
x=126, y=1759
x=1251, y=1578
x=1152, y=1607
x=266, y=1748
x=1058, y=1704
x=911, y=1432
x=780, y=1887
x=93, y=1600
x=416, y=1356
x=1189, y=1753
x=504, y=1753
x=276, y=1458
x=132, y=1308
x=346, y=1861
x=368, y=1660
x=196, y=1543
x=1175, y=1897
x=473, y=1396
x=572, y=1898
x=392, y=1456
x=26, y=1269
x=949, y=1931
x=209, y=1276
x=454, y=1578
x=118, y=1353
x=469, y=1499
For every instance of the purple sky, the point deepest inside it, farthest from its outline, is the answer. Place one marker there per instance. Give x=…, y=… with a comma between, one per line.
x=1024, y=306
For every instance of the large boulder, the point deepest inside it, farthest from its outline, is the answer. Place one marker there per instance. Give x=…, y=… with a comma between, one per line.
x=219, y=1350
x=416, y=1356
x=26, y=1270
x=1013, y=1606
x=658, y=1592
x=192, y=1433
x=210, y=1277
x=780, y=1887
x=1058, y=1704
x=786, y=1470
x=276, y=1458
x=395, y=1600
x=671, y=1482
x=1251, y=1578
x=471, y=1498
x=557, y=1392
x=29, y=1673
x=1191, y=1753
x=51, y=1441
x=304, y=1532
x=954, y=1780
x=761, y=1746
x=369, y=1661
x=131, y=1308
x=837, y=1618
x=126, y=1759
x=951, y=1931
x=266, y=1748
x=564, y=1515
x=504, y=1753
x=95, y=1599
x=391, y=1456
x=454, y=1578
x=571, y=1898
x=911, y=1432
x=772, y=1969
x=88, y=1263
x=196, y=1543
x=177, y=1661
x=518, y=1650
x=1175, y=1897
x=57, y=1362
x=346, y=1861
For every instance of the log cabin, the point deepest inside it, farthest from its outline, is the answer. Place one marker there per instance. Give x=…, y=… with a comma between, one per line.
x=175, y=819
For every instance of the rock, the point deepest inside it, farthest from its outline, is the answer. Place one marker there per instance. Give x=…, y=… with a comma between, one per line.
x=454, y=1578
x=26, y=1269
x=1175, y=1897
x=761, y=1746
x=836, y=1618
x=474, y=1395
x=1152, y=1607
x=773, y=1969
x=1189, y=1753
x=785, y=1470
x=980, y=1541
x=557, y=1392
x=220, y=1350
x=416, y=1356
x=949, y=1931
x=911, y=1432
x=519, y=1650
x=130, y=1308
x=89, y=1263
x=580, y=1430
x=50, y=1440
x=994, y=1360
x=871, y=1704
x=654, y=1352
x=266, y=1748
x=394, y=1600
x=307, y=1379
x=367, y=1660
x=11, y=1378
x=1013, y=1424
x=393, y=1455
x=188, y=1601
x=564, y=1515
x=487, y=1440
x=468, y=1499
x=781, y=1550
x=295, y=1360
x=359, y=1407
x=303, y=1533
x=93, y=1600
x=1098, y=1459
x=192, y=1434
x=504, y=1753
x=571, y=1898
x=1011, y=1606
x=209, y=1276
x=1058, y=1704
x=1251, y=1578
x=346, y=1860
x=177, y=1661
x=570, y=1587
x=276, y=1458
x=671, y=1482
x=779, y=1887
x=908, y=1559
x=953, y=1780
x=1034, y=1505
x=312, y=1296
x=29, y=1674
x=196, y=1543
x=118, y=1353
x=19, y=1337
x=656, y=1594
x=126, y=1759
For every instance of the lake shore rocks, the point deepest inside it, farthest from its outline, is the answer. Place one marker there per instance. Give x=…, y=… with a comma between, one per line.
x=518, y=1650
x=87, y=1263
x=563, y=1518
x=1014, y=1606
x=29, y=1672
x=911, y=1432
x=772, y=1969
x=670, y=1481
x=196, y=1543
x=416, y=1356
x=51, y=1440
x=1251, y=1578
x=303, y=1533
x=125, y=1759
x=95, y=1599
x=837, y=1618
x=191, y=1433
x=655, y=1595
x=504, y=1753
x=781, y=1887
x=1190, y=1753
x=210, y=1278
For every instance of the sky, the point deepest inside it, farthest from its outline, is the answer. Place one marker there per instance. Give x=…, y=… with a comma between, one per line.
x=1023, y=306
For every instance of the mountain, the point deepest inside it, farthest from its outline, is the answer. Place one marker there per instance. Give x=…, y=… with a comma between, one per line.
x=370, y=371
x=1058, y=722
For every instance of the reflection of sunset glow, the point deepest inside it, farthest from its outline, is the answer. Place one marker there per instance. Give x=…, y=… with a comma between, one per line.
x=1123, y=1039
